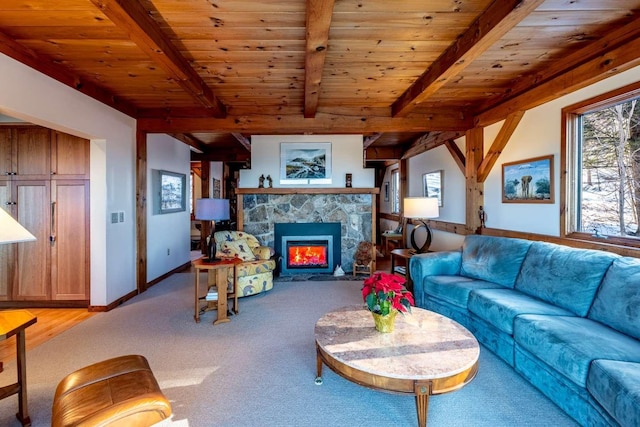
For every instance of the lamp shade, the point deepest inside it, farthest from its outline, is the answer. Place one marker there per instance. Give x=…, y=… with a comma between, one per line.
x=11, y=231
x=212, y=209
x=421, y=207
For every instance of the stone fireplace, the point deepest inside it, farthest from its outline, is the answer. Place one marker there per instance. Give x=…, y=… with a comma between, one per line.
x=352, y=208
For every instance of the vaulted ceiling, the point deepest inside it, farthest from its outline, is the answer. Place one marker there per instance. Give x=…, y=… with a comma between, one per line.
x=406, y=74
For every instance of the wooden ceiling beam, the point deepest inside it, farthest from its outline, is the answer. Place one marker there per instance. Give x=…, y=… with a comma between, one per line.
x=28, y=57
x=500, y=17
x=244, y=141
x=387, y=154
x=616, y=52
x=370, y=140
x=430, y=141
x=322, y=124
x=319, y=13
x=456, y=154
x=190, y=140
x=227, y=156
x=135, y=20
x=504, y=135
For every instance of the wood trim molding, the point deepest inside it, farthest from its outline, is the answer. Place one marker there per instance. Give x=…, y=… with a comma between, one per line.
x=302, y=190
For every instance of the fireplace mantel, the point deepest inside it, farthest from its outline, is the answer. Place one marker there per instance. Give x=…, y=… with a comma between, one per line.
x=307, y=190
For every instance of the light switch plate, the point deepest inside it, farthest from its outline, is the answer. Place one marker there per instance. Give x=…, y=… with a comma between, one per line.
x=114, y=217
x=121, y=216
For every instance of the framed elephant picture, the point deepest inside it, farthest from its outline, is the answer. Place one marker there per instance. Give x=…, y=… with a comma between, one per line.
x=528, y=181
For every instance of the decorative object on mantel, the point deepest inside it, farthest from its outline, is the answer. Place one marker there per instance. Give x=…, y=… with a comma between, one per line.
x=385, y=295
x=421, y=208
x=261, y=181
x=349, y=180
x=269, y=181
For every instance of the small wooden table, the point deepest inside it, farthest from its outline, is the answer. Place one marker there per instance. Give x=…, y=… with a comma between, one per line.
x=217, y=272
x=14, y=322
x=386, y=237
x=406, y=255
x=427, y=354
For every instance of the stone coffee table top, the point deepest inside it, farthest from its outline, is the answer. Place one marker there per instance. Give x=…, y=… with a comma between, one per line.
x=424, y=345
x=426, y=354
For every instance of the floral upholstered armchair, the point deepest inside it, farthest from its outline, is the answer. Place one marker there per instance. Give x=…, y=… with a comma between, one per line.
x=255, y=273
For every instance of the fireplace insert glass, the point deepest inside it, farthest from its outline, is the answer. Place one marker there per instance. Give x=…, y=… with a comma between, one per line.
x=307, y=254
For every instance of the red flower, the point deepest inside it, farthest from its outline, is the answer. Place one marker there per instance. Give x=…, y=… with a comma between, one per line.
x=384, y=291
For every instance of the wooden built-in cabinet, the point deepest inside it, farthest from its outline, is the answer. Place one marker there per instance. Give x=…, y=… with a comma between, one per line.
x=44, y=184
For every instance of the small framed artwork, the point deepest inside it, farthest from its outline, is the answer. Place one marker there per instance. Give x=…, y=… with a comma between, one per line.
x=432, y=185
x=216, y=188
x=385, y=189
x=528, y=181
x=305, y=163
x=171, y=190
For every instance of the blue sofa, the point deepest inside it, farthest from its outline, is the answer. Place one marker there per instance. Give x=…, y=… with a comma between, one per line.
x=566, y=319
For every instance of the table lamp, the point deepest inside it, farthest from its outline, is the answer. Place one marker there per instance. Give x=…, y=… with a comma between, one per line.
x=11, y=231
x=212, y=210
x=421, y=208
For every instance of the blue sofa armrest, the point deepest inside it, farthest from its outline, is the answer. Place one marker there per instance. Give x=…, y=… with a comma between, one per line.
x=445, y=263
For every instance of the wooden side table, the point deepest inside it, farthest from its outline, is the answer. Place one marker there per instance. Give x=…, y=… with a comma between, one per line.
x=14, y=322
x=217, y=272
x=406, y=255
x=386, y=237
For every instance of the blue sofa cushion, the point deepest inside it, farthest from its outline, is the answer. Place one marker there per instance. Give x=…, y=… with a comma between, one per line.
x=563, y=276
x=422, y=266
x=455, y=289
x=499, y=307
x=570, y=344
x=615, y=386
x=617, y=302
x=494, y=259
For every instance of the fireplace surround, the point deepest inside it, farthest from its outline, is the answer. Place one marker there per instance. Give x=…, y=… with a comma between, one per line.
x=307, y=247
x=354, y=208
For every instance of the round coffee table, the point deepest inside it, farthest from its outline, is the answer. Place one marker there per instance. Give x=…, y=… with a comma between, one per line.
x=427, y=354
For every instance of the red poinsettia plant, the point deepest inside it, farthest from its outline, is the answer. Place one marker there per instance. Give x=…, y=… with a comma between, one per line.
x=384, y=292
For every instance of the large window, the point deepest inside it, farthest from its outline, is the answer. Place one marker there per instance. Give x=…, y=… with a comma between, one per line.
x=603, y=165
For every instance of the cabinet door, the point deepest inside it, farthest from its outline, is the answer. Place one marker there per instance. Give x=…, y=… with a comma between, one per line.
x=32, y=153
x=69, y=157
x=70, y=249
x=6, y=251
x=31, y=278
x=6, y=166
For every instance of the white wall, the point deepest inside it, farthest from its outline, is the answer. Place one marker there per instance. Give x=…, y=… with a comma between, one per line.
x=168, y=235
x=31, y=96
x=347, y=157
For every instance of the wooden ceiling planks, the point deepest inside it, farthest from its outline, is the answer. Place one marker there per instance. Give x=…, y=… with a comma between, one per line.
x=254, y=60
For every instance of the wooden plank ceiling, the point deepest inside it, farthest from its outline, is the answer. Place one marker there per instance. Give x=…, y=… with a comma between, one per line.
x=215, y=72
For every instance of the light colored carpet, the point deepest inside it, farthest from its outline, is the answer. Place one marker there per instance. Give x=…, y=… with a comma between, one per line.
x=259, y=369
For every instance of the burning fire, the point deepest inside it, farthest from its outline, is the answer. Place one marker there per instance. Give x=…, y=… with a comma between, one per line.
x=307, y=255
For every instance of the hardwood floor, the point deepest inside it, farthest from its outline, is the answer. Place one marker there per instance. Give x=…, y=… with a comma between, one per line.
x=51, y=322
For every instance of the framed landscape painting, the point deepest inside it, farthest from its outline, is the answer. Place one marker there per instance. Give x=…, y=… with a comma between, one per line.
x=528, y=181
x=305, y=163
x=432, y=185
x=172, y=190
